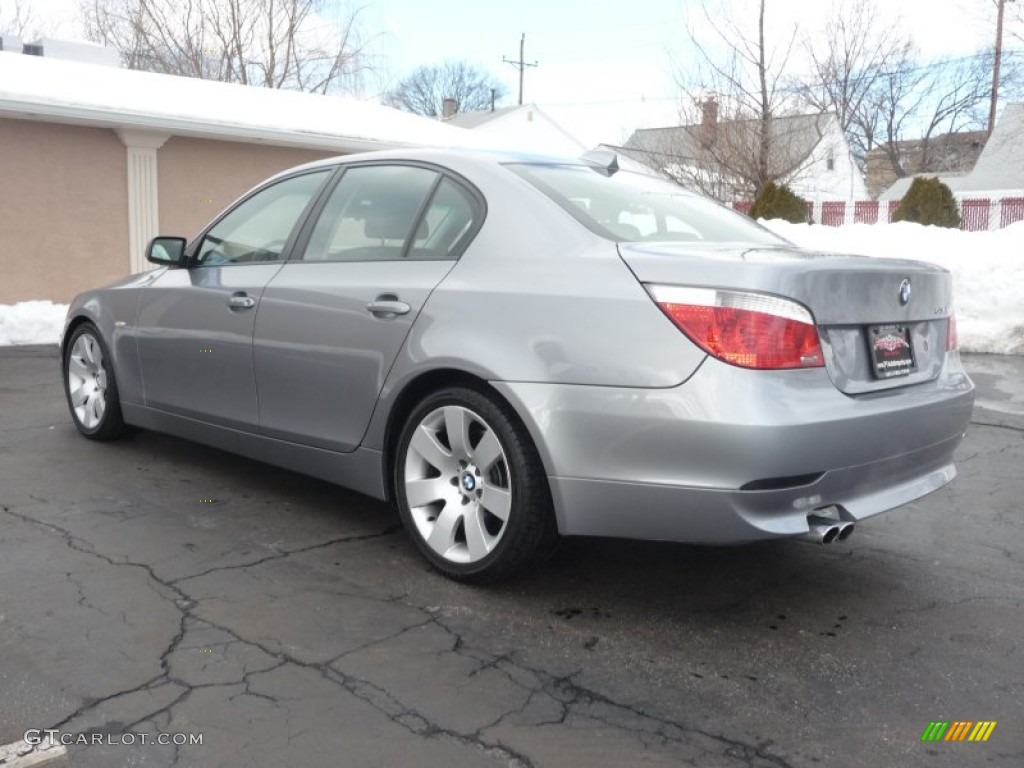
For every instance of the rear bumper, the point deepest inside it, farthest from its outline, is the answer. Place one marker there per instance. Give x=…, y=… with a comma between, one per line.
x=712, y=516
x=672, y=463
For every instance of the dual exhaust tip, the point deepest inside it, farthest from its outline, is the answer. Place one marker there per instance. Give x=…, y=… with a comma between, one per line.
x=827, y=530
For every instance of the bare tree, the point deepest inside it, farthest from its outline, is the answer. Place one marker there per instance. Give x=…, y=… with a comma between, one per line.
x=425, y=90
x=959, y=94
x=914, y=107
x=849, y=58
x=1015, y=22
x=16, y=20
x=293, y=44
x=901, y=114
x=734, y=140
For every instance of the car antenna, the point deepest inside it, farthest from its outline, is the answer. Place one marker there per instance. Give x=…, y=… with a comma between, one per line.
x=604, y=161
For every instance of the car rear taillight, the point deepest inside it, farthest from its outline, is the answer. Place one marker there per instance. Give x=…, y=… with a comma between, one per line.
x=951, y=339
x=751, y=330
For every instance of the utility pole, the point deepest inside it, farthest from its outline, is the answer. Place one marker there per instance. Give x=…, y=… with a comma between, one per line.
x=522, y=65
x=996, y=65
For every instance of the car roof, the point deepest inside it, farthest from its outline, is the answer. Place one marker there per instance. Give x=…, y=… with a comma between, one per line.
x=441, y=157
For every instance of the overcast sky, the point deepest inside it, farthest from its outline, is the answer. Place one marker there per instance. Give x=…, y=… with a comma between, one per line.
x=604, y=66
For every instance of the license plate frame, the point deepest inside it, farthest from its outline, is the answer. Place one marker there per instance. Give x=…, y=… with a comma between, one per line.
x=891, y=349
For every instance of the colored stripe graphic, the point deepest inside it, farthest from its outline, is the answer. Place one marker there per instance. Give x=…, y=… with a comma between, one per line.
x=982, y=731
x=958, y=730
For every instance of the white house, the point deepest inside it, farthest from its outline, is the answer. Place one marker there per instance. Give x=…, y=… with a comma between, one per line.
x=526, y=127
x=809, y=153
x=999, y=172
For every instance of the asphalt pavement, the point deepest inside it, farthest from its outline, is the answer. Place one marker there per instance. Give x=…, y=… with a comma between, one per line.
x=156, y=589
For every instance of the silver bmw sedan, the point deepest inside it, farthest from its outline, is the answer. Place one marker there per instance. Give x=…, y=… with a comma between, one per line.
x=513, y=348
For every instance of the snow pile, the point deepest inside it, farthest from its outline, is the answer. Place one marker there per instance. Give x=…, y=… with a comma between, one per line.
x=987, y=267
x=31, y=322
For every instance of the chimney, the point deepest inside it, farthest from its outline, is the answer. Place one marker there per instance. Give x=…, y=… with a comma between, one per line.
x=709, y=121
x=448, y=108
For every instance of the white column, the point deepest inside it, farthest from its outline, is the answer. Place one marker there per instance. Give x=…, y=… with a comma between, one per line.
x=143, y=202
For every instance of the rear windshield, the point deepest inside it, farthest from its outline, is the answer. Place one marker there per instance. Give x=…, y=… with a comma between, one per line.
x=633, y=207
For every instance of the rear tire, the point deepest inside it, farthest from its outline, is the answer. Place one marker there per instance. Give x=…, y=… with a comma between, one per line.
x=471, y=489
x=90, y=386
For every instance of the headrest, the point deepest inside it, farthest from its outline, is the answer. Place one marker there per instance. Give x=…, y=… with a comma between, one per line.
x=391, y=225
x=386, y=225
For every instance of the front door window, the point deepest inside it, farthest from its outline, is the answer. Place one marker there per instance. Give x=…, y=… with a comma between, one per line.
x=258, y=229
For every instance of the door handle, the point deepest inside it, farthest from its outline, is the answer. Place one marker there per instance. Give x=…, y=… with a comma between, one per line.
x=388, y=306
x=241, y=301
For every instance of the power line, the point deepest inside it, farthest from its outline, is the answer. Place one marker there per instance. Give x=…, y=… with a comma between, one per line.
x=940, y=64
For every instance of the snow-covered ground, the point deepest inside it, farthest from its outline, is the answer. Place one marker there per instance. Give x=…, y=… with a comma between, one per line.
x=31, y=322
x=987, y=267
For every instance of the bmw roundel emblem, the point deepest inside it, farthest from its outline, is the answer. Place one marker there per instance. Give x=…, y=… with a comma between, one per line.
x=905, y=292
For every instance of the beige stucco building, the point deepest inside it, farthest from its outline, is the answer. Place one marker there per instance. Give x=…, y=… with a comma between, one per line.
x=95, y=161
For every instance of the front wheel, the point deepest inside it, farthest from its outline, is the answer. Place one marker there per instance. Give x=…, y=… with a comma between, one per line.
x=90, y=386
x=470, y=487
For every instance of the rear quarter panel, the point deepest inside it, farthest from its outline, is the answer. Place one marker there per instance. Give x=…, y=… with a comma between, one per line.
x=538, y=298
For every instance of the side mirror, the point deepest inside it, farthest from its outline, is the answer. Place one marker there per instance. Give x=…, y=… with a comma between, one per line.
x=167, y=251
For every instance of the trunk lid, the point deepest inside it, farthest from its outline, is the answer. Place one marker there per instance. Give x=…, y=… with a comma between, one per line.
x=856, y=300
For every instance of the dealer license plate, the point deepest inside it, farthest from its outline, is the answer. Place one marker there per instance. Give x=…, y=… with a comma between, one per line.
x=892, y=354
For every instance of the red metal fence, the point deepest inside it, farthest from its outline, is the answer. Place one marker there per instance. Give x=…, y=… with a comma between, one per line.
x=1012, y=211
x=833, y=214
x=866, y=211
x=976, y=214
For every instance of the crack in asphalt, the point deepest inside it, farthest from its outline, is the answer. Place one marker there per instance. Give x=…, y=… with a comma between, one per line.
x=864, y=549
x=570, y=696
x=185, y=605
x=935, y=604
x=993, y=425
x=247, y=682
x=377, y=641
x=988, y=454
x=283, y=553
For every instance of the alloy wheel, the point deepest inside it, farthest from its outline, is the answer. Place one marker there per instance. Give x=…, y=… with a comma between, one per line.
x=457, y=484
x=87, y=381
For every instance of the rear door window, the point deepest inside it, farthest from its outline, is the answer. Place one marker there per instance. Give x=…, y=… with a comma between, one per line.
x=371, y=213
x=448, y=225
